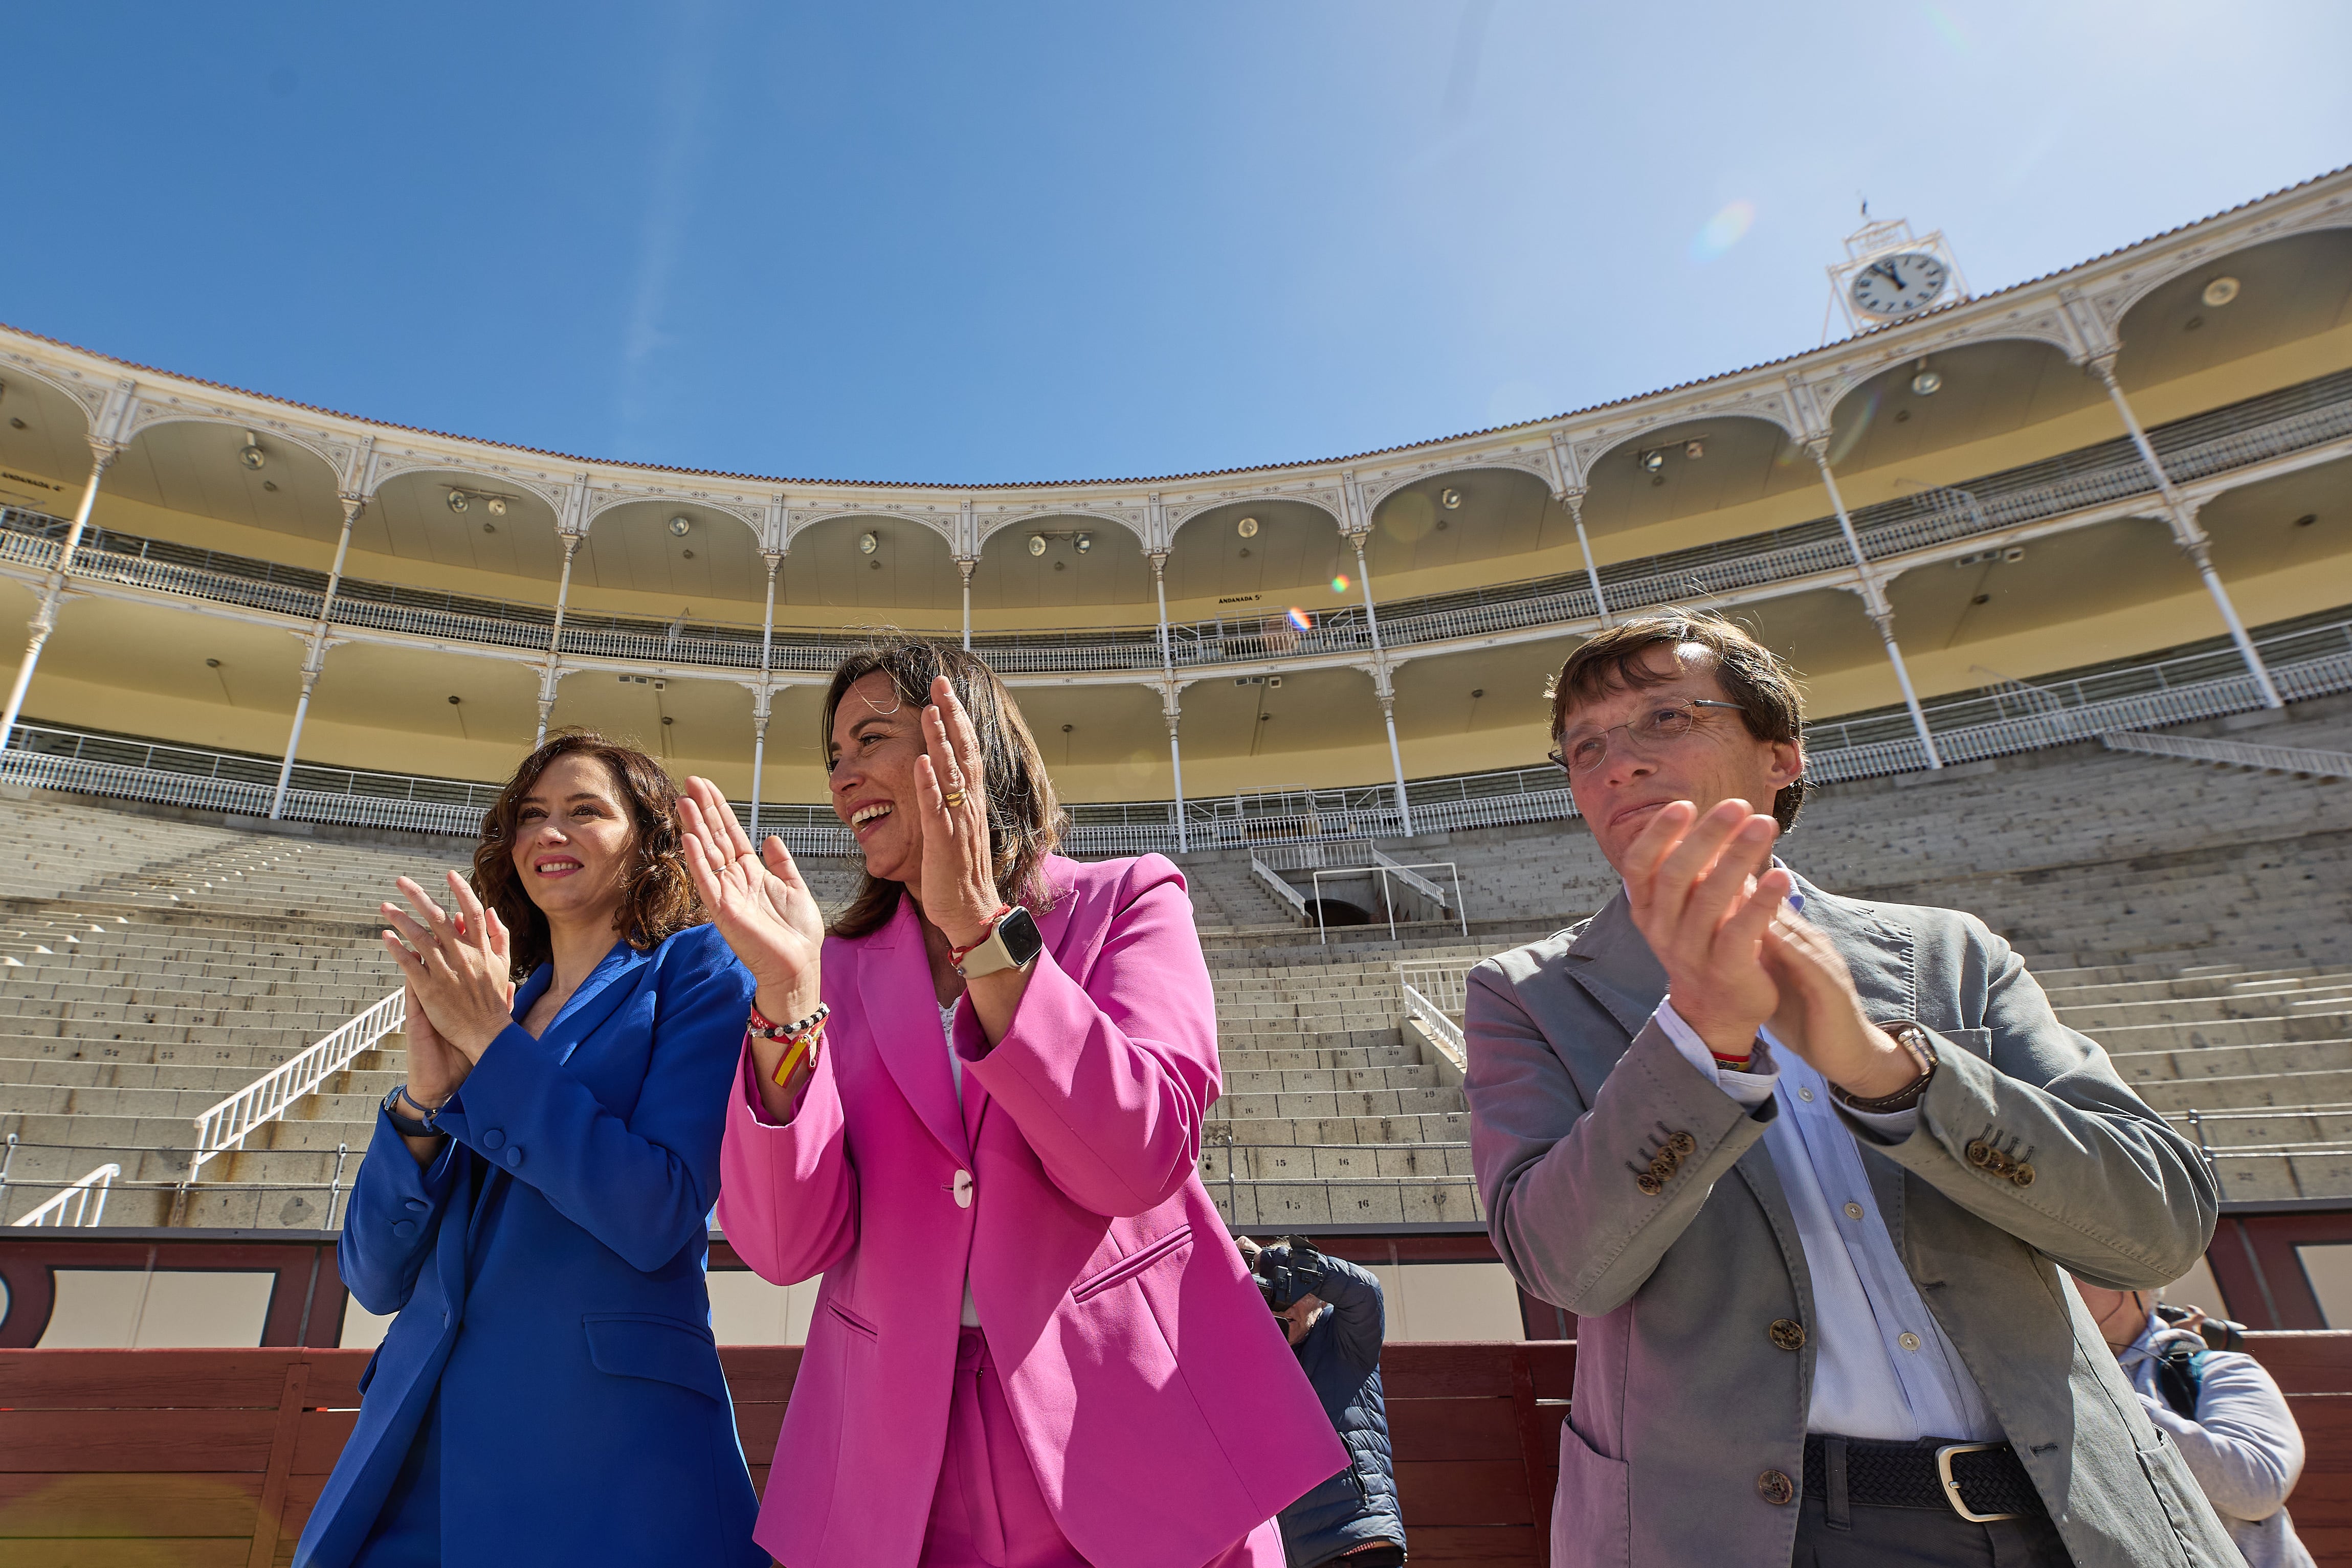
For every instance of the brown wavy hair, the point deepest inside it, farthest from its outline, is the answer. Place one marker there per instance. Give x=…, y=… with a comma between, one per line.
x=1024, y=818
x=658, y=900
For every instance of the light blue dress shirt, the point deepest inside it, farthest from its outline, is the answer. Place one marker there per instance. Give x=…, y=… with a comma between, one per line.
x=1883, y=1368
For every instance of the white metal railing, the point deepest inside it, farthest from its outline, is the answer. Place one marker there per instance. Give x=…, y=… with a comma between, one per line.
x=2237, y=753
x=1443, y=1028
x=1415, y=880
x=1280, y=887
x=1294, y=830
x=1443, y=983
x=227, y=1124
x=76, y=1197
x=2276, y=425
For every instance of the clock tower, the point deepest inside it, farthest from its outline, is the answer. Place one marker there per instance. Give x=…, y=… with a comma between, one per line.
x=1890, y=273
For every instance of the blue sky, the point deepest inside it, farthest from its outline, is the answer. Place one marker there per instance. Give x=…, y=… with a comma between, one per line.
x=979, y=243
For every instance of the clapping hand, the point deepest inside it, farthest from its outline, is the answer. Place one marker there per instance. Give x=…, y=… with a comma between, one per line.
x=1704, y=891
x=960, y=891
x=765, y=912
x=1820, y=1015
x=459, y=968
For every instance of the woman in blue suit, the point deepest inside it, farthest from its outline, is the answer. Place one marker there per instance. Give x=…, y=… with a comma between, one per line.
x=534, y=1203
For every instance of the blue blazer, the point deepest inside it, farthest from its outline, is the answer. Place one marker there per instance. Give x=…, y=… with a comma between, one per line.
x=547, y=1273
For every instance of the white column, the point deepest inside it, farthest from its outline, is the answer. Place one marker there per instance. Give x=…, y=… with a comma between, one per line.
x=1874, y=600
x=44, y=619
x=1381, y=684
x=1575, y=499
x=2194, y=542
x=759, y=701
x=760, y=713
x=964, y=565
x=314, y=657
x=1159, y=560
x=1172, y=709
x=547, y=677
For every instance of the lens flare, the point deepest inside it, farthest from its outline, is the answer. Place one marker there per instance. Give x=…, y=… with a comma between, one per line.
x=1723, y=231
x=1947, y=31
x=1339, y=583
x=1300, y=619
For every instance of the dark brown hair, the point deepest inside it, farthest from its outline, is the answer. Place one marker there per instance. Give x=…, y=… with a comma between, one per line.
x=1024, y=818
x=1751, y=674
x=657, y=899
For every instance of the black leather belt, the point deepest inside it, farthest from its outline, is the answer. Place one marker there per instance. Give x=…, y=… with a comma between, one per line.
x=1979, y=1482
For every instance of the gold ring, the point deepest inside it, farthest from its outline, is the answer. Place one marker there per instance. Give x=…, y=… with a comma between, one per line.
x=954, y=797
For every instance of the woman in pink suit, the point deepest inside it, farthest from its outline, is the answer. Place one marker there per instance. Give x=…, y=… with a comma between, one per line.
x=1035, y=1346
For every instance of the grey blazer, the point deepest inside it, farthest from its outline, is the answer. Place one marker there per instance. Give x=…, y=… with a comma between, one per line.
x=1684, y=1402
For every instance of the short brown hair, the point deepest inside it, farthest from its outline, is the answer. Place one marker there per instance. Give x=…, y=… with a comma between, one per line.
x=657, y=902
x=1751, y=674
x=1024, y=818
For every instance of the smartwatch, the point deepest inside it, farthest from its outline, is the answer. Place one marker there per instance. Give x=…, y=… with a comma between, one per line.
x=1014, y=943
x=406, y=1125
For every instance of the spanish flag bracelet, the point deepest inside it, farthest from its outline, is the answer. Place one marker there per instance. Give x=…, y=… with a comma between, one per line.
x=800, y=1038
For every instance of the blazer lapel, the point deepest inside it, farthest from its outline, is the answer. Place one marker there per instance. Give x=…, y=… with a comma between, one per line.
x=593, y=1002
x=1613, y=961
x=902, y=1012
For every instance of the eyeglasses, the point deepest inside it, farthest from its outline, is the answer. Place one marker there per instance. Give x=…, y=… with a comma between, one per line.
x=1651, y=732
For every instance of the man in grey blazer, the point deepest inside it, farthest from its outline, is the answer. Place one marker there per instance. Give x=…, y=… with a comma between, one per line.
x=1806, y=1168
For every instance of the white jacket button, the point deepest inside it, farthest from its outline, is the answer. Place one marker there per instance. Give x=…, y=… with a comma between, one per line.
x=963, y=1189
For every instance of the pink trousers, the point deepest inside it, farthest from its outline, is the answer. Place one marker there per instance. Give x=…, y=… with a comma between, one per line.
x=988, y=1511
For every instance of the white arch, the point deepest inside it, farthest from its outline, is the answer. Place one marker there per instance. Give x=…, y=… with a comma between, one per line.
x=994, y=526
x=612, y=503
x=388, y=469
x=1535, y=465
x=942, y=528
x=1854, y=376
x=2117, y=306
x=1326, y=501
x=88, y=398
x=1771, y=412
x=150, y=416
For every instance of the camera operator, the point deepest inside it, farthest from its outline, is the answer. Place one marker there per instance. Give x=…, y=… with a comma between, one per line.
x=1332, y=1313
x=2225, y=1412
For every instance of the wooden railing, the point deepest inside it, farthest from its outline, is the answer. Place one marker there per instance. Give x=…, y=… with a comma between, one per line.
x=205, y=1458
x=208, y=1458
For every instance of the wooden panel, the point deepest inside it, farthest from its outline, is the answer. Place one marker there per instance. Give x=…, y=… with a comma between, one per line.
x=1504, y=1546
x=756, y=1427
x=322, y=1437
x=135, y=1504
x=2306, y=1362
x=219, y=1551
x=1553, y=1364
x=1453, y=1429
x=1468, y=1491
x=175, y=1440
x=1447, y=1370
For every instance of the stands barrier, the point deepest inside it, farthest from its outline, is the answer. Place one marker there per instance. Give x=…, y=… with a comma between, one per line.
x=205, y=1458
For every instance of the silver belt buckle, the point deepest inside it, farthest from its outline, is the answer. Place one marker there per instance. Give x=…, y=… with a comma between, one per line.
x=1952, y=1488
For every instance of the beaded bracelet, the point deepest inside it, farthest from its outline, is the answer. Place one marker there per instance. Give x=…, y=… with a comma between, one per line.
x=788, y=1032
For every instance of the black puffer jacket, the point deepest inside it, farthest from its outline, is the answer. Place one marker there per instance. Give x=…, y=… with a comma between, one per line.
x=1341, y=1357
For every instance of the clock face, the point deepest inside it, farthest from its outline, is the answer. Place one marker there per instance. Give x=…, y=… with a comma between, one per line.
x=1899, y=284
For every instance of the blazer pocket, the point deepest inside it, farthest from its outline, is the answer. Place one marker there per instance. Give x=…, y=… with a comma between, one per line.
x=1592, y=1516
x=1134, y=1263
x=666, y=1350
x=852, y=1321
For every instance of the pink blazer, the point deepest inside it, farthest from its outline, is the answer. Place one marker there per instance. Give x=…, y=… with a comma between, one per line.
x=1161, y=1408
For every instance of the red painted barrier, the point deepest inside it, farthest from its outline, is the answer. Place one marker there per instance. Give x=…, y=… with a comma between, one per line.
x=211, y=1458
